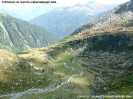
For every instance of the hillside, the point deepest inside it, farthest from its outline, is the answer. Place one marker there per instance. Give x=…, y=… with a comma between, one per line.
x=17, y=35
x=96, y=61
x=116, y=19
x=104, y=48
x=17, y=74
x=103, y=60
x=64, y=21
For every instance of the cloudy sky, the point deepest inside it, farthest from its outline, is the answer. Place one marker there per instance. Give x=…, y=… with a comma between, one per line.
x=72, y=2
x=59, y=3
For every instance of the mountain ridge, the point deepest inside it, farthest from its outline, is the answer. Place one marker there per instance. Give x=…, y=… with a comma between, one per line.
x=104, y=48
x=112, y=18
x=101, y=55
x=63, y=21
x=19, y=34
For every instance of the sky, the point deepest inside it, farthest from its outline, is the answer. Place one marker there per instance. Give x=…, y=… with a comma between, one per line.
x=72, y=2
x=59, y=3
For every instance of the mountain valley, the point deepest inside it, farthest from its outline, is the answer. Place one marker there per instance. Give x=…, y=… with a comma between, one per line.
x=96, y=60
x=64, y=21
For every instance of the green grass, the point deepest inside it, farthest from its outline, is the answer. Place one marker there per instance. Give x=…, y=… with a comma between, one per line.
x=17, y=81
x=122, y=86
x=66, y=57
x=21, y=80
x=77, y=86
x=35, y=59
x=17, y=75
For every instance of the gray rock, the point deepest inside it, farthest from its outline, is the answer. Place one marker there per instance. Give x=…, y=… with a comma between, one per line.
x=131, y=92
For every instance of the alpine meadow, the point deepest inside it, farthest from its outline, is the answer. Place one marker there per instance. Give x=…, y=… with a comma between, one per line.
x=84, y=51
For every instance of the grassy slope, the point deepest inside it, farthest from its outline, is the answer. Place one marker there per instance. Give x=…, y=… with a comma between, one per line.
x=17, y=75
x=115, y=42
x=77, y=86
x=54, y=69
x=123, y=84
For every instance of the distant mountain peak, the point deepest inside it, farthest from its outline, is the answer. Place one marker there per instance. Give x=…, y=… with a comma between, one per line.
x=115, y=19
x=78, y=4
x=63, y=21
x=91, y=7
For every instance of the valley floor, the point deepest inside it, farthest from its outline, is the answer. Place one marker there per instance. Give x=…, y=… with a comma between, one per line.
x=69, y=76
x=69, y=80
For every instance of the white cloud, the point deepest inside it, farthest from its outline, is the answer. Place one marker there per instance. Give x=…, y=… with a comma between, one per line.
x=113, y=1
x=10, y=6
x=19, y=5
x=72, y=2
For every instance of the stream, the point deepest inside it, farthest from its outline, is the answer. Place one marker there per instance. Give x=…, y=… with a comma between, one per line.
x=51, y=88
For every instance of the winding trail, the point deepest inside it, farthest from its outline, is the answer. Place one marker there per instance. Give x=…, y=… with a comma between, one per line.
x=51, y=88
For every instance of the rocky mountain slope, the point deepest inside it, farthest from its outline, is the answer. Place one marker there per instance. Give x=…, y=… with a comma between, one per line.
x=16, y=34
x=63, y=21
x=93, y=62
x=116, y=19
x=104, y=48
